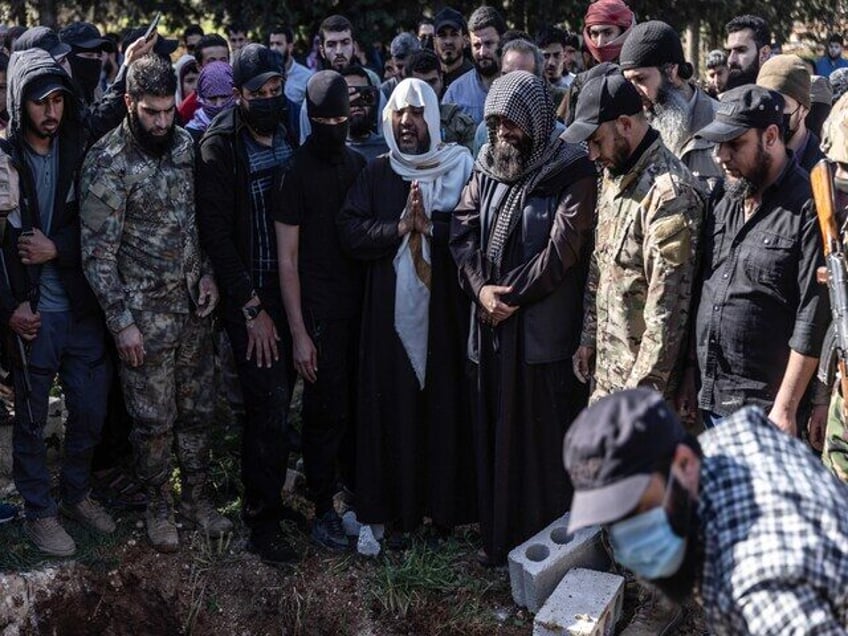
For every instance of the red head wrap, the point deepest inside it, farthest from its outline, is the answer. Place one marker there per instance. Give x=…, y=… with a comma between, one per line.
x=613, y=12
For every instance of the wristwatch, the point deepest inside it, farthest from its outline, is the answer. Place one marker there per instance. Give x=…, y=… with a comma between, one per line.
x=251, y=312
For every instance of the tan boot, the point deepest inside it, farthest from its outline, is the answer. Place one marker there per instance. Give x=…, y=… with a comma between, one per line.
x=159, y=519
x=50, y=537
x=201, y=514
x=656, y=615
x=89, y=513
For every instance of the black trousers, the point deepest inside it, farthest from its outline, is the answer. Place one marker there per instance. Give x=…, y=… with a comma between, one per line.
x=328, y=409
x=265, y=444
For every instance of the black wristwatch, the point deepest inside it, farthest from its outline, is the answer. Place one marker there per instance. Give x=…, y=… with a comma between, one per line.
x=251, y=312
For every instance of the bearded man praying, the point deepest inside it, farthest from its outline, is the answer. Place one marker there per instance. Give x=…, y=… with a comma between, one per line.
x=762, y=315
x=413, y=431
x=521, y=237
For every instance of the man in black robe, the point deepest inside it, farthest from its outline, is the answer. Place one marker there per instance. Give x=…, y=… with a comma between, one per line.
x=521, y=237
x=413, y=436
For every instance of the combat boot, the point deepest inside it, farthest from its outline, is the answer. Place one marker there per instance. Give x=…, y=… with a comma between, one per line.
x=89, y=513
x=159, y=519
x=50, y=537
x=196, y=508
x=655, y=616
x=201, y=514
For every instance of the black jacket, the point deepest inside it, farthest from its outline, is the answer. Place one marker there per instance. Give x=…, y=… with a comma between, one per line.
x=24, y=68
x=224, y=214
x=546, y=269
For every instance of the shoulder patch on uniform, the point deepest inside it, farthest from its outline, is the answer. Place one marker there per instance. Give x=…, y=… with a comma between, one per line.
x=672, y=238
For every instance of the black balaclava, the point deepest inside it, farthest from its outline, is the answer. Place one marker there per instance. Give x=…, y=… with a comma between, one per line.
x=327, y=96
x=86, y=72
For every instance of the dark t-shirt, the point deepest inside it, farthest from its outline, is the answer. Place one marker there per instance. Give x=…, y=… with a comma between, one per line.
x=311, y=197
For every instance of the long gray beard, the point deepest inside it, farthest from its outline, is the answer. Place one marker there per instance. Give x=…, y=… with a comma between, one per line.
x=670, y=117
x=508, y=161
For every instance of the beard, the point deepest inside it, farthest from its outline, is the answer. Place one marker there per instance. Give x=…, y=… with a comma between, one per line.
x=740, y=76
x=509, y=162
x=620, y=155
x=154, y=145
x=669, y=115
x=487, y=67
x=360, y=125
x=747, y=185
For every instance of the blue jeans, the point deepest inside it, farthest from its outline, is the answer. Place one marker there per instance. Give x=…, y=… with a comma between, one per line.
x=74, y=350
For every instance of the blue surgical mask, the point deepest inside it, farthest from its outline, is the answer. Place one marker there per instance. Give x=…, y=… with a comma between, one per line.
x=647, y=545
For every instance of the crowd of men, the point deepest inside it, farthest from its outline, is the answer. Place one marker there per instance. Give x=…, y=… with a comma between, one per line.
x=456, y=260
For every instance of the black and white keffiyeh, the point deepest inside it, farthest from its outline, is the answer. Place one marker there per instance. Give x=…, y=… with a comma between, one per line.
x=522, y=98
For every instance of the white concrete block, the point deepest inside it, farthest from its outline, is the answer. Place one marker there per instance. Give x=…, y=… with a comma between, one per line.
x=585, y=603
x=537, y=565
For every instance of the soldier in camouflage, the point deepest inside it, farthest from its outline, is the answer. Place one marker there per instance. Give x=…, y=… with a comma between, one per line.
x=835, y=146
x=638, y=295
x=650, y=208
x=142, y=258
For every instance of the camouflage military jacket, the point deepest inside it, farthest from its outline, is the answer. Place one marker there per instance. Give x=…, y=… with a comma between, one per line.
x=140, y=248
x=639, y=291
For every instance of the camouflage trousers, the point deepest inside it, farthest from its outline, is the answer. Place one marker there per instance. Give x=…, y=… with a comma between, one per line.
x=835, y=452
x=171, y=399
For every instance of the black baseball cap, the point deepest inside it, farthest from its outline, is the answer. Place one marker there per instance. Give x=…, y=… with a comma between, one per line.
x=611, y=451
x=164, y=47
x=41, y=37
x=743, y=108
x=85, y=36
x=43, y=86
x=450, y=17
x=254, y=65
x=602, y=99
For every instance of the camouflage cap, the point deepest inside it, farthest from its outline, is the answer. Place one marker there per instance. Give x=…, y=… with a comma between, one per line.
x=834, y=142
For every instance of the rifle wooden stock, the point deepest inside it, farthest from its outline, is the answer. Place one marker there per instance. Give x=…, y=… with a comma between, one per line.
x=821, y=180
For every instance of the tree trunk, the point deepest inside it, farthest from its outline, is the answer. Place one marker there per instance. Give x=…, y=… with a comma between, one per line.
x=18, y=12
x=693, y=43
x=47, y=13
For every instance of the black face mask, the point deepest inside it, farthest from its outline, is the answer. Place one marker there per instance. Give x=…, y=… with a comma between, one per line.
x=263, y=115
x=86, y=74
x=329, y=139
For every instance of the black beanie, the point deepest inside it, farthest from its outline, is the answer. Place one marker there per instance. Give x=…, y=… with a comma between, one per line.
x=654, y=43
x=327, y=96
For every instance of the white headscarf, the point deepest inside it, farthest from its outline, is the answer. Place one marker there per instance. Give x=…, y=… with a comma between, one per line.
x=441, y=173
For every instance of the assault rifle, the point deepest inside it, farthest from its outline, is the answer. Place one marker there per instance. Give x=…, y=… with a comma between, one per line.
x=821, y=178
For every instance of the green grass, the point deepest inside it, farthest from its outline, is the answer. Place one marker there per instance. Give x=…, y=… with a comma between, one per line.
x=406, y=580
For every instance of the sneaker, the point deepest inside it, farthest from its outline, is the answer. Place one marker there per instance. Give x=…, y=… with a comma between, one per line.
x=8, y=512
x=327, y=530
x=656, y=616
x=161, y=529
x=50, y=537
x=90, y=514
x=203, y=516
x=271, y=546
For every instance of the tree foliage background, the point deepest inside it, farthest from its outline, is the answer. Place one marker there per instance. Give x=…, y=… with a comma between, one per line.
x=379, y=20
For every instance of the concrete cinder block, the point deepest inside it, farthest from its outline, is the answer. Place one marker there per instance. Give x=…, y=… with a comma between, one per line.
x=538, y=564
x=585, y=603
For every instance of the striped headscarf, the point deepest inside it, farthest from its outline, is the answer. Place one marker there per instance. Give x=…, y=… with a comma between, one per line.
x=522, y=98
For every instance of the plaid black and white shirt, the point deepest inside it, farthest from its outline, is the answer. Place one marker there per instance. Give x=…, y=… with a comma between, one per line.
x=775, y=529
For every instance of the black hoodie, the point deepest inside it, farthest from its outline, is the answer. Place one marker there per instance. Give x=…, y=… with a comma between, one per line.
x=224, y=212
x=25, y=67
